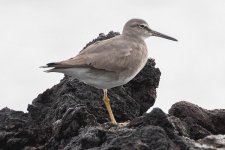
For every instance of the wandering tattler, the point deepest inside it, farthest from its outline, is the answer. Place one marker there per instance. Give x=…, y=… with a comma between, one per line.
x=112, y=62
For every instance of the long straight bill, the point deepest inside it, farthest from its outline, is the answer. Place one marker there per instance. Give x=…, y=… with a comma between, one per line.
x=155, y=33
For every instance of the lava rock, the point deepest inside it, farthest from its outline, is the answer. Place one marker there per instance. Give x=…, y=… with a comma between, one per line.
x=145, y=132
x=71, y=115
x=211, y=142
x=145, y=138
x=12, y=120
x=199, y=122
x=158, y=118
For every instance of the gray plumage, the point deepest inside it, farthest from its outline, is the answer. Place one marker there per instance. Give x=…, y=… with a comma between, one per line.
x=113, y=62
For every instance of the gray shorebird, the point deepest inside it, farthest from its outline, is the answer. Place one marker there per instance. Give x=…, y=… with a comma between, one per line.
x=113, y=62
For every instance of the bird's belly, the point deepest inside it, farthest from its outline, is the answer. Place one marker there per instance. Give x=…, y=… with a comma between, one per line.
x=101, y=82
x=100, y=79
x=103, y=79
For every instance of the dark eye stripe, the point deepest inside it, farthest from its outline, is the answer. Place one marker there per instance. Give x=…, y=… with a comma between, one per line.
x=142, y=26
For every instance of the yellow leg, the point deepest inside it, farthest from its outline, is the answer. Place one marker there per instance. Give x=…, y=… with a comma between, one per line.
x=108, y=107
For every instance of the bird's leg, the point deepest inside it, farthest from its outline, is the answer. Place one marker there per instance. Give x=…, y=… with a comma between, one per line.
x=108, y=107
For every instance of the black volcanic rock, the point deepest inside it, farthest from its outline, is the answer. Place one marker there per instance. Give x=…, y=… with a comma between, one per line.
x=199, y=122
x=71, y=116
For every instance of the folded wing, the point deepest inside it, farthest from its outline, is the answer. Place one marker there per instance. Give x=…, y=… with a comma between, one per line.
x=110, y=55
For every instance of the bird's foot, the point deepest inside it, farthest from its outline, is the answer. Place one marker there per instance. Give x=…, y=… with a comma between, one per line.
x=123, y=124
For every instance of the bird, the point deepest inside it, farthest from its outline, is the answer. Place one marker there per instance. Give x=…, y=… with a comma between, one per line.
x=112, y=62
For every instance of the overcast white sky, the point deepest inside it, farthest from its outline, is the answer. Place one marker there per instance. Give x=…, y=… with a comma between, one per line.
x=35, y=32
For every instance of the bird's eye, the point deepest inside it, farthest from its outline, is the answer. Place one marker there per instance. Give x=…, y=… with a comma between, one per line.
x=141, y=26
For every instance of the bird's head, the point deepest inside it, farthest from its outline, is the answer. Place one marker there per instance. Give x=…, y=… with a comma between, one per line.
x=140, y=28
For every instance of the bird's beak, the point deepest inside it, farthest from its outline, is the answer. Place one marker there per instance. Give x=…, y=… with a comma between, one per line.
x=155, y=33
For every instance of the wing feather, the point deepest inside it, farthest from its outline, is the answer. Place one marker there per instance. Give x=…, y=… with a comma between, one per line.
x=110, y=55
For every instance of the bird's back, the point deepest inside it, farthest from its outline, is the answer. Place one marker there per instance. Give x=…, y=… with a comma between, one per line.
x=107, y=63
x=116, y=54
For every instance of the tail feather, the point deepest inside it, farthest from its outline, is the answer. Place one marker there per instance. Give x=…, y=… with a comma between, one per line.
x=52, y=64
x=55, y=67
x=43, y=67
x=50, y=70
x=58, y=67
x=49, y=65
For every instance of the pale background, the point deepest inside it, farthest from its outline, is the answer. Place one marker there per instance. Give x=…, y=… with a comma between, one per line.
x=33, y=33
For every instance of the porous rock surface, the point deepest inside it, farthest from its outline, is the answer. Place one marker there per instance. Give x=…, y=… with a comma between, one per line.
x=72, y=116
